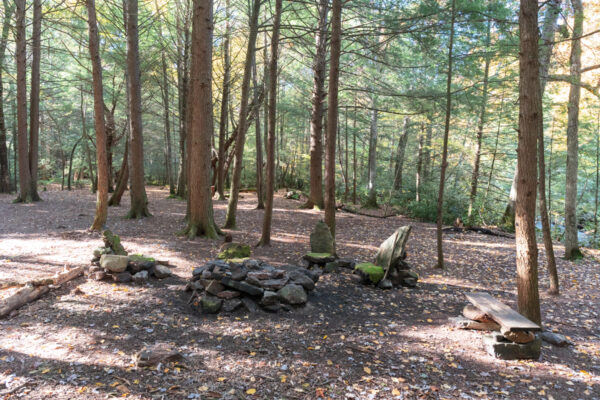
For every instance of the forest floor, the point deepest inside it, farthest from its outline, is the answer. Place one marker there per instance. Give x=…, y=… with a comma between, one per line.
x=350, y=341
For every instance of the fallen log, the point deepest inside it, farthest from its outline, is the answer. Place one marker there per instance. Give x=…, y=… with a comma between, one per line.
x=476, y=229
x=353, y=210
x=22, y=296
x=56, y=280
x=35, y=289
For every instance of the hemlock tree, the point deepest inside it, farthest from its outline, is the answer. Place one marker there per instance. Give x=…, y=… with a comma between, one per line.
x=101, y=159
x=200, y=129
x=34, y=98
x=530, y=119
x=265, y=239
x=440, y=202
x=240, y=141
x=332, y=113
x=137, y=190
x=9, y=8
x=572, y=251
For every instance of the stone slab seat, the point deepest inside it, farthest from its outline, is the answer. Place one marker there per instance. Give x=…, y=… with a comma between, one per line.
x=506, y=317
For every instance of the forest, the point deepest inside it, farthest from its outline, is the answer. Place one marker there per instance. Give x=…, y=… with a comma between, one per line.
x=295, y=199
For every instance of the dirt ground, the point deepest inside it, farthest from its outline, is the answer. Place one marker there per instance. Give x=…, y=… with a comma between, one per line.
x=350, y=341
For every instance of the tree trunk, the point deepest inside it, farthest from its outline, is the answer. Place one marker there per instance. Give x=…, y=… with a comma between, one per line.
x=475, y=173
x=572, y=251
x=354, y=160
x=101, y=159
x=440, y=202
x=9, y=8
x=110, y=129
x=34, y=100
x=137, y=190
x=530, y=119
x=372, y=166
x=400, y=156
x=115, y=199
x=230, y=218
x=332, y=114
x=315, y=196
x=548, y=32
x=223, y=123
x=257, y=133
x=69, y=174
x=427, y=152
x=201, y=221
x=183, y=88
x=25, y=194
x=419, y=173
x=265, y=239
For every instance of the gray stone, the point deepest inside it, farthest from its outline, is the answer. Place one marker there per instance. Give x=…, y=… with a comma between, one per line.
x=250, y=305
x=100, y=251
x=385, y=284
x=253, y=281
x=318, y=258
x=321, y=240
x=158, y=353
x=269, y=298
x=228, y=294
x=113, y=262
x=242, y=287
x=252, y=264
x=409, y=282
x=555, y=338
x=215, y=287
x=191, y=286
x=123, y=277
x=300, y=278
x=278, y=273
x=160, y=271
x=210, y=304
x=293, y=294
x=312, y=274
x=499, y=347
x=206, y=274
x=197, y=272
x=333, y=266
x=231, y=305
x=99, y=275
x=392, y=249
x=273, y=307
x=330, y=267
x=274, y=284
x=238, y=272
x=259, y=275
x=461, y=322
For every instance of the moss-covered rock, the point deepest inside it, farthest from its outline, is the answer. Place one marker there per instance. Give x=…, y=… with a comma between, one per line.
x=370, y=271
x=319, y=258
x=234, y=250
x=140, y=258
x=114, y=242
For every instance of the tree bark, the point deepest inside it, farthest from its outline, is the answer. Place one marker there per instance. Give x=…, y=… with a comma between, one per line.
x=315, y=196
x=201, y=221
x=9, y=8
x=476, y=161
x=25, y=194
x=101, y=159
x=34, y=100
x=223, y=123
x=400, y=156
x=332, y=113
x=183, y=88
x=419, y=173
x=72, y=155
x=115, y=199
x=372, y=165
x=265, y=239
x=257, y=133
x=230, y=218
x=530, y=119
x=548, y=32
x=440, y=202
x=137, y=190
x=572, y=251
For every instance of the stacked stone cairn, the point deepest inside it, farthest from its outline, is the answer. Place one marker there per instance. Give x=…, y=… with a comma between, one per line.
x=226, y=285
x=112, y=262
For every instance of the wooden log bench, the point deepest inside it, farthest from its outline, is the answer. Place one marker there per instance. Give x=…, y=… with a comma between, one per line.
x=516, y=340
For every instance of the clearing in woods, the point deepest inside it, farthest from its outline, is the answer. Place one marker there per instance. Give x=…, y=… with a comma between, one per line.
x=350, y=340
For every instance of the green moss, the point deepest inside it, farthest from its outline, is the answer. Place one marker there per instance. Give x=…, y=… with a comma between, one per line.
x=139, y=258
x=237, y=260
x=235, y=250
x=374, y=272
x=114, y=242
x=319, y=255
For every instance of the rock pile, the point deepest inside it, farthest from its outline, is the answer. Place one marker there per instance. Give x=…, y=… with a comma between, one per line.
x=225, y=286
x=112, y=262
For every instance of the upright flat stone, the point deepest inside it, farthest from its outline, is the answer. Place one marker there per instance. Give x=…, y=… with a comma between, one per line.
x=321, y=240
x=499, y=347
x=506, y=317
x=114, y=263
x=391, y=250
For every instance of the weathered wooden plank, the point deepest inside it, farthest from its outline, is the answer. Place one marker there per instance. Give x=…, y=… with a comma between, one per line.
x=508, y=318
